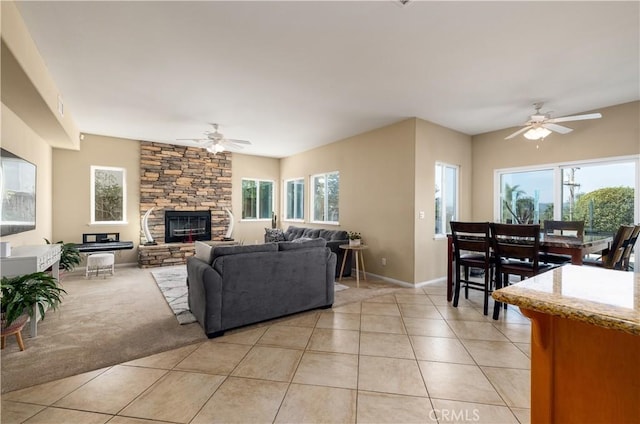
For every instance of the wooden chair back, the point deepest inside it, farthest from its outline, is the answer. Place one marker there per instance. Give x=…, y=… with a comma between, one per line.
x=517, y=241
x=613, y=257
x=628, y=248
x=564, y=228
x=471, y=237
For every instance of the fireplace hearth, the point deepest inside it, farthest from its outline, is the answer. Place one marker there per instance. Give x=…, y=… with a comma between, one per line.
x=187, y=226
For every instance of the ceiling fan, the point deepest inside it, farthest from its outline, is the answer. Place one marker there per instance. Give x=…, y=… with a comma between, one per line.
x=541, y=124
x=215, y=142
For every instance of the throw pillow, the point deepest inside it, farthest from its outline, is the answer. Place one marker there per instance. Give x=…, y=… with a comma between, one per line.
x=273, y=235
x=203, y=252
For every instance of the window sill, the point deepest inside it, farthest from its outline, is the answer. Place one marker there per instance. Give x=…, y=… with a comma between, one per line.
x=108, y=223
x=325, y=223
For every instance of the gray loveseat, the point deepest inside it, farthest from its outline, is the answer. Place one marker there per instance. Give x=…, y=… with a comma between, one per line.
x=334, y=239
x=232, y=286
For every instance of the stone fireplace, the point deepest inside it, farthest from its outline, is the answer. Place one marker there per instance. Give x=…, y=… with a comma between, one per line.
x=187, y=226
x=191, y=183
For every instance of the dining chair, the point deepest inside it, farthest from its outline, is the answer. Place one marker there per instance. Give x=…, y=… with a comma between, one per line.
x=626, y=256
x=516, y=248
x=563, y=229
x=472, y=247
x=613, y=257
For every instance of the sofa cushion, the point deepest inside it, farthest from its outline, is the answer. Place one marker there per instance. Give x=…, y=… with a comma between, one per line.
x=273, y=235
x=293, y=233
x=331, y=235
x=249, y=248
x=311, y=232
x=204, y=252
x=302, y=243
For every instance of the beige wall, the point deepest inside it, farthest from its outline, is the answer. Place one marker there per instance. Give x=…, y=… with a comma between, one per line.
x=245, y=166
x=435, y=143
x=376, y=192
x=615, y=134
x=72, y=190
x=28, y=88
x=21, y=140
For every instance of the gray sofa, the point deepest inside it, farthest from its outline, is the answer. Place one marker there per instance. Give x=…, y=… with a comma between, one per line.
x=334, y=239
x=232, y=286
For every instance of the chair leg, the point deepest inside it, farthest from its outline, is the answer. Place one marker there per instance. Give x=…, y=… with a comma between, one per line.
x=466, y=286
x=487, y=282
x=496, y=304
x=456, y=296
x=19, y=339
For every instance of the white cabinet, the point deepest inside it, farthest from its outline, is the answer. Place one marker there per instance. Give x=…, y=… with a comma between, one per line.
x=28, y=259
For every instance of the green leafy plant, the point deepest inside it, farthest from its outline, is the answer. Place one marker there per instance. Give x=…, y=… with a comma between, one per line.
x=20, y=293
x=69, y=256
x=353, y=235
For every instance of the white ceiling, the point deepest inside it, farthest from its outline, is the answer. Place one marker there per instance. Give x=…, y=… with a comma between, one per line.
x=290, y=76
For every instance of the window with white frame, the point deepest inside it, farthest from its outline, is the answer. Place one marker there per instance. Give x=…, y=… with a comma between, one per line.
x=325, y=195
x=294, y=199
x=108, y=195
x=257, y=198
x=602, y=193
x=446, y=197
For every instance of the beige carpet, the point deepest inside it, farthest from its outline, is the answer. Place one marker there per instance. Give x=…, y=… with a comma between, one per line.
x=106, y=321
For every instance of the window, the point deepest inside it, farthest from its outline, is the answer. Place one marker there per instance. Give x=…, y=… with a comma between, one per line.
x=294, y=200
x=108, y=195
x=446, y=201
x=325, y=197
x=602, y=193
x=257, y=199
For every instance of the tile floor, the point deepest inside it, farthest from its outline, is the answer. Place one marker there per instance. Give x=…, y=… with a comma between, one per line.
x=408, y=357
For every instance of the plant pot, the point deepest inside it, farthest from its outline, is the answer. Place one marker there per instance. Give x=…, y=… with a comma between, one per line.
x=354, y=242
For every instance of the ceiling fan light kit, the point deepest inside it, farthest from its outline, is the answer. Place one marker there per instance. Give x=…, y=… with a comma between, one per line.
x=540, y=125
x=537, y=133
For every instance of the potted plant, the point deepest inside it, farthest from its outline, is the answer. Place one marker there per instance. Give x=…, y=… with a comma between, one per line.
x=20, y=293
x=69, y=256
x=354, y=238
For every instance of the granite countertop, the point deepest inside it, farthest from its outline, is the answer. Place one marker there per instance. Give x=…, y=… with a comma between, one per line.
x=597, y=296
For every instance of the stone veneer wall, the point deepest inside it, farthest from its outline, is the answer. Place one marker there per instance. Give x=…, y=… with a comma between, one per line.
x=183, y=179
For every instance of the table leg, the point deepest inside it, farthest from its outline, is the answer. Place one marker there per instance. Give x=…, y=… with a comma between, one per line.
x=344, y=259
x=357, y=270
x=576, y=256
x=364, y=271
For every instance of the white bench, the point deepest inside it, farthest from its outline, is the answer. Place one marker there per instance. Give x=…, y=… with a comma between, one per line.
x=100, y=261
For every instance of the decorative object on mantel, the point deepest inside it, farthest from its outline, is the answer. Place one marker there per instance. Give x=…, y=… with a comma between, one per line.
x=27, y=295
x=354, y=238
x=229, y=235
x=145, y=228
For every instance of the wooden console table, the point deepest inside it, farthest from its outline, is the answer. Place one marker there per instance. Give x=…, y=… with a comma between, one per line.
x=30, y=259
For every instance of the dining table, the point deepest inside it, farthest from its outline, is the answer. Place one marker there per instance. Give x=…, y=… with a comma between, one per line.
x=576, y=247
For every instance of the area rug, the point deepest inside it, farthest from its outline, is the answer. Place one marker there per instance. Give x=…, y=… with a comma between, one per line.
x=172, y=282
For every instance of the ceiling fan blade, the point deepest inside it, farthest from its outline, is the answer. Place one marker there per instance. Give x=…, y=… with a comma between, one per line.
x=237, y=141
x=230, y=146
x=576, y=117
x=557, y=128
x=520, y=131
x=197, y=140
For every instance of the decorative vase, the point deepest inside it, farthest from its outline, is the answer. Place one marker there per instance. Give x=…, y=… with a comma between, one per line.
x=354, y=242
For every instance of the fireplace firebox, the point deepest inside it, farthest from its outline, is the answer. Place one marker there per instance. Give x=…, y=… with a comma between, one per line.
x=187, y=226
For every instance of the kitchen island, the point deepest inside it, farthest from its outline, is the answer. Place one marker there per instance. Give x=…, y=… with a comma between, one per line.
x=585, y=344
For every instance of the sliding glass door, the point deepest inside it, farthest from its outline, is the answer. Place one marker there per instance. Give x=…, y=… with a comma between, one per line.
x=603, y=194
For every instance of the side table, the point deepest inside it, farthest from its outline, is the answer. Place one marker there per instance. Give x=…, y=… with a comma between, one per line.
x=357, y=252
